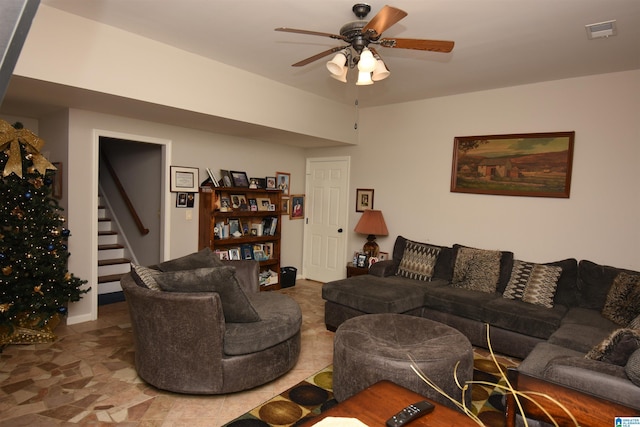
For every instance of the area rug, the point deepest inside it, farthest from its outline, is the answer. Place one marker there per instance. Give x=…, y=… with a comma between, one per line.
x=314, y=395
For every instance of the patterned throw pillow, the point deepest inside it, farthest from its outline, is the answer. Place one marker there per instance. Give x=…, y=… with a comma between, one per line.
x=617, y=347
x=145, y=277
x=418, y=261
x=533, y=283
x=635, y=323
x=623, y=300
x=476, y=269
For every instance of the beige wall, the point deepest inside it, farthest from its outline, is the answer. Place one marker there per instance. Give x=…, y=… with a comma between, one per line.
x=404, y=150
x=405, y=154
x=66, y=49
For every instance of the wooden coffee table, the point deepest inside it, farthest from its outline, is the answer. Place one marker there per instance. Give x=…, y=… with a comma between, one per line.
x=376, y=404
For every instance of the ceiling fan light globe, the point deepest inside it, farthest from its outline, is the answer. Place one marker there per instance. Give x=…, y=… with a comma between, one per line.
x=367, y=62
x=364, y=78
x=381, y=72
x=341, y=77
x=337, y=65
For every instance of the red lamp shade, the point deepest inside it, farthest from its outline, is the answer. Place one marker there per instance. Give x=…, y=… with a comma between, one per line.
x=371, y=223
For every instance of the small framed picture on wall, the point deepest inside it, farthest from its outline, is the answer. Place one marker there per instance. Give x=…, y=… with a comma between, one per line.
x=364, y=199
x=297, y=206
x=184, y=179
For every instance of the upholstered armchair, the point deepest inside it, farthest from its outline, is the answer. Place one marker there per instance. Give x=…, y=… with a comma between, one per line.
x=183, y=343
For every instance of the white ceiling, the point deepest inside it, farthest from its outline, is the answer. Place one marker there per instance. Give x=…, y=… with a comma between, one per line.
x=499, y=43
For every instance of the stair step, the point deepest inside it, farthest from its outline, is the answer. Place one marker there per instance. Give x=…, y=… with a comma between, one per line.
x=104, y=219
x=107, y=233
x=110, y=278
x=113, y=261
x=108, y=247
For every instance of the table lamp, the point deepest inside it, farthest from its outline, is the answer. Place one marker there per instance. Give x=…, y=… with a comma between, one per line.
x=371, y=223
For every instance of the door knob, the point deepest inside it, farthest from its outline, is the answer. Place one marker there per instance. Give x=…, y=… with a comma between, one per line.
x=339, y=230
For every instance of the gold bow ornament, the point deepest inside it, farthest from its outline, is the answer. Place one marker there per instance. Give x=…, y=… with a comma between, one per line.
x=10, y=139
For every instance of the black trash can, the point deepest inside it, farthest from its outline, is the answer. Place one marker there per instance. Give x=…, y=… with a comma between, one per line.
x=288, y=276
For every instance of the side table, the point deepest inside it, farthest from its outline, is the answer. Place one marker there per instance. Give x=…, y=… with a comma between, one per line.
x=353, y=270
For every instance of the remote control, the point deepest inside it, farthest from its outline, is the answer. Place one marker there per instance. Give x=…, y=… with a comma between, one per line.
x=410, y=413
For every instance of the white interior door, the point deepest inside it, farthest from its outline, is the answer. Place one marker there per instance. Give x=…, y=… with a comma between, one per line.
x=325, y=232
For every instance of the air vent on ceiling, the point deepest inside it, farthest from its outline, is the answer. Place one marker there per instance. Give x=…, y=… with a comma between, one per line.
x=601, y=30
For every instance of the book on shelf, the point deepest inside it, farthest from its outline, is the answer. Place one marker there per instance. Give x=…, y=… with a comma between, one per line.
x=269, y=226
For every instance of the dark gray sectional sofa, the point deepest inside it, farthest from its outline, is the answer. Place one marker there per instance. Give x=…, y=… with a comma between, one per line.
x=552, y=340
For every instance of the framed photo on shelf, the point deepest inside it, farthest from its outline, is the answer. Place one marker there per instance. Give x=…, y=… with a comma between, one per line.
x=56, y=181
x=263, y=203
x=259, y=182
x=184, y=179
x=270, y=183
x=234, y=226
x=297, y=206
x=239, y=179
x=234, y=253
x=530, y=164
x=259, y=255
x=181, y=200
x=282, y=182
x=364, y=199
x=225, y=204
x=247, y=252
x=225, y=178
x=239, y=201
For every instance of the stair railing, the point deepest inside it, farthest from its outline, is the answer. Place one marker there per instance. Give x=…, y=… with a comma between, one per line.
x=143, y=230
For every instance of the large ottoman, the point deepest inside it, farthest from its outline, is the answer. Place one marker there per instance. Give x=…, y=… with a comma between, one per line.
x=376, y=347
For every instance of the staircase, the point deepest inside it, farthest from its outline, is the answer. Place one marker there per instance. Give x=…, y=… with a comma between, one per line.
x=113, y=258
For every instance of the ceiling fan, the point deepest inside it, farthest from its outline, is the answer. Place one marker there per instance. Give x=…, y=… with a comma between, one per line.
x=360, y=35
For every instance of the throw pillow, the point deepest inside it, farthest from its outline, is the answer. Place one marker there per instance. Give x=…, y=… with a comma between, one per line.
x=201, y=259
x=236, y=306
x=418, y=261
x=623, y=299
x=145, y=277
x=632, y=368
x=476, y=269
x=533, y=283
x=617, y=347
x=635, y=323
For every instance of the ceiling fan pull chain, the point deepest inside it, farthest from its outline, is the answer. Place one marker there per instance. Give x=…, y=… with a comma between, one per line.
x=355, y=125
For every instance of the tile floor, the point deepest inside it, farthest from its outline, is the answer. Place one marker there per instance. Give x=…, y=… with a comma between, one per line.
x=87, y=377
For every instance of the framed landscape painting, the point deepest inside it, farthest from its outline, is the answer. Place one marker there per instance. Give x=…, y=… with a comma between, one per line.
x=533, y=164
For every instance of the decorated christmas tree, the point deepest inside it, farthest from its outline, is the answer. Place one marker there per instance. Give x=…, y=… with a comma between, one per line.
x=35, y=285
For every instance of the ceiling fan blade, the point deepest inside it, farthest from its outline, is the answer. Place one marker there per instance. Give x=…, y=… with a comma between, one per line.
x=310, y=33
x=317, y=56
x=419, y=44
x=384, y=19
